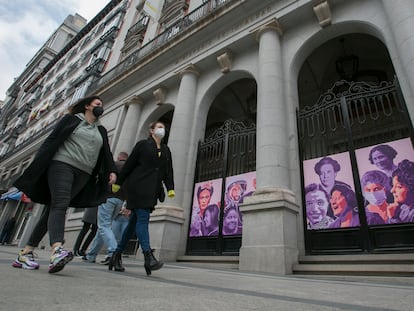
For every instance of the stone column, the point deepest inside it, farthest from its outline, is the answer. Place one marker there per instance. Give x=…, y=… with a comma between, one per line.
x=269, y=241
x=168, y=218
x=400, y=15
x=181, y=129
x=126, y=140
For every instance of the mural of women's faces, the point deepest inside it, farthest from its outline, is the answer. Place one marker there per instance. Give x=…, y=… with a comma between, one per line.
x=330, y=199
x=206, y=208
x=237, y=188
x=386, y=171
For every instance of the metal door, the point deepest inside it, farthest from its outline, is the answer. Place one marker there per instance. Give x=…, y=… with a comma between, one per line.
x=229, y=151
x=348, y=120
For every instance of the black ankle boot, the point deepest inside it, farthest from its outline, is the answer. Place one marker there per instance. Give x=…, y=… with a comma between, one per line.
x=151, y=263
x=116, y=262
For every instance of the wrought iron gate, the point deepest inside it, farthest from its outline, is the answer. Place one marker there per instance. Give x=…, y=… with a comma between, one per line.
x=346, y=121
x=229, y=151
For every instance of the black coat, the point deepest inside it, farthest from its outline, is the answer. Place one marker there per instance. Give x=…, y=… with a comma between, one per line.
x=34, y=182
x=143, y=174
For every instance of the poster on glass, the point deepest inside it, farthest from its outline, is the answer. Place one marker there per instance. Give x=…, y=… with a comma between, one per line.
x=206, y=208
x=386, y=172
x=237, y=188
x=330, y=198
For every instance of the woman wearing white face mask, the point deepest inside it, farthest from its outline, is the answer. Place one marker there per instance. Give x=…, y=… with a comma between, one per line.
x=376, y=190
x=148, y=167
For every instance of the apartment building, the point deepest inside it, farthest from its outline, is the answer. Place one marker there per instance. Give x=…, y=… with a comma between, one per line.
x=293, y=118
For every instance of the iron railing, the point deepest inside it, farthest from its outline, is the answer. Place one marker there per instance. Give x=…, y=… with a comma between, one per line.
x=166, y=36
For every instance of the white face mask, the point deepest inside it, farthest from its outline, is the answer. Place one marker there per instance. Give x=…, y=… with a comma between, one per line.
x=376, y=197
x=159, y=132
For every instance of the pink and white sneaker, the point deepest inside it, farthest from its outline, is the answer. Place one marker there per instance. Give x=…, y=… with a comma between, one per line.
x=25, y=261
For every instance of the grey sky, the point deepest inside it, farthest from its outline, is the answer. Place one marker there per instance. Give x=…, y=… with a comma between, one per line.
x=25, y=26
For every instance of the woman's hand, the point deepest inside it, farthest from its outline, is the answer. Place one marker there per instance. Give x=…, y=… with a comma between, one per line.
x=391, y=209
x=112, y=178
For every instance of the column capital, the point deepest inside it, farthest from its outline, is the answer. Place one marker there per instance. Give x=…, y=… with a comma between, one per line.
x=189, y=69
x=272, y=25
x=134, y=100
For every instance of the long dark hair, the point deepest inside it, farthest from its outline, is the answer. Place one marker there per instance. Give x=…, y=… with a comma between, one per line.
x=79, y=107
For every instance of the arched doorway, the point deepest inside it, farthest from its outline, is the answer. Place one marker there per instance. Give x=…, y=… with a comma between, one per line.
x=225, y=171
x=355, y=141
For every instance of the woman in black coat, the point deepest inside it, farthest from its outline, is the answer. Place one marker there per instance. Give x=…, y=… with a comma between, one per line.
x=148, y=166
x=71, y=168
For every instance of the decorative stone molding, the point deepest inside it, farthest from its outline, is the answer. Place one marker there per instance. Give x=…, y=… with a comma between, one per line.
x=135, y=99
x=271, y=25
x=323, y=13
x=160, y=94
x=225, y=61
x=189, y=69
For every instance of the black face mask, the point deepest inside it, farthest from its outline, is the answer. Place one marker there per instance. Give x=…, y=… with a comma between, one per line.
x=97, y=111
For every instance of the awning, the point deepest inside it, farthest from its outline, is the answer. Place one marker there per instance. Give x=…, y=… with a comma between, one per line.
x=11, y=195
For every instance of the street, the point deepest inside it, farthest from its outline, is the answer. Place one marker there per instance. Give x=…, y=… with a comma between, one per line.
x=181, y=287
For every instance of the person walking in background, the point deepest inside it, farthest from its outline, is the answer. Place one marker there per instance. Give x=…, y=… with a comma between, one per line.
x=106, y=213
x=72, y=167
x=120, y=222
x=7, y=230
x=89, y=223
x=147, y=168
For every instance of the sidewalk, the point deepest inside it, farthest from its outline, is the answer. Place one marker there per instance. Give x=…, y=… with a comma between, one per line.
x=181, y=287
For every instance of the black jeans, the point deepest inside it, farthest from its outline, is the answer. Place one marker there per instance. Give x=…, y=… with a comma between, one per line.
x=84, y=231
x=65, y=182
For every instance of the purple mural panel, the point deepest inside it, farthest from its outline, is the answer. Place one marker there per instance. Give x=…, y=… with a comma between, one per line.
x=206, y=208
x=386, y=172
x=330, y=198
x=237, y=188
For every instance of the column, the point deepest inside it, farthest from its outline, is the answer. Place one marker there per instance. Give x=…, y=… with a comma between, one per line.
x=400, y=15
x=272, y=147
x=126, y=140
x=181, y=129
x=269, y=241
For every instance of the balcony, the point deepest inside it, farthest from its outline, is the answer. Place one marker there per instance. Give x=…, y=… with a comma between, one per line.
x=158, y=42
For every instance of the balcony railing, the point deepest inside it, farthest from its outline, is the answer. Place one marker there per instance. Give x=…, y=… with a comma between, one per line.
x=167, y=35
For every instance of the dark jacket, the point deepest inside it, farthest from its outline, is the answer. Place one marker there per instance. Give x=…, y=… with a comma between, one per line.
x=143, y=174
x=121, y=193
x=90, y=215
x=34, y=183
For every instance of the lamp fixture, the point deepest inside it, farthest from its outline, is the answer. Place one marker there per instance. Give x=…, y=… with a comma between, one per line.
x=347, y=65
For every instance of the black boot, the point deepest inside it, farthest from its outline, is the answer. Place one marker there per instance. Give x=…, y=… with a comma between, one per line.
x=151, y=263
x=116, y=262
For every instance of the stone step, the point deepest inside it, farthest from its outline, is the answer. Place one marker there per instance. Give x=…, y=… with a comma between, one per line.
x=221, y=262
x=359, y=258
x=355, y=269
x=357, y=264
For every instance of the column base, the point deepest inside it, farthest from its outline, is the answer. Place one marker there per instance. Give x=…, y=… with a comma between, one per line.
x=165, y=231
x=269, y=241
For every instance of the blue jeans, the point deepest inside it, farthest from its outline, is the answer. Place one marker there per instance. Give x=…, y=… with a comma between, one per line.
x=106, y=213
x=119, y=225
x=128, y=233
x=141, y=228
